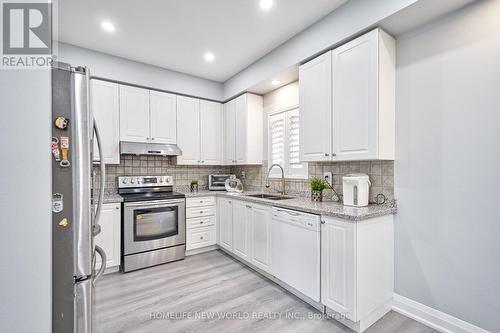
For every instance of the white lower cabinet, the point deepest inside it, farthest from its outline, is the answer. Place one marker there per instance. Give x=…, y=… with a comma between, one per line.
x=225, y=223
x=245, y=231
x=110, y=237
x=201, y=229
x=242, y=228
x=357, y=269
x=261, y=237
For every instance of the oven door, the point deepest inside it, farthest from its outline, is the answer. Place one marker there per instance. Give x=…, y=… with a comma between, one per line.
x=151, y=225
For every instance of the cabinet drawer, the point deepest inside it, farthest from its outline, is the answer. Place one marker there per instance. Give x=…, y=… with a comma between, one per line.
x=200, y=237
x=201, y=201
x=200, y=222
x=200, y=211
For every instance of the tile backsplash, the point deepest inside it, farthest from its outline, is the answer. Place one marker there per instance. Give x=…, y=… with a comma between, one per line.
x=381, y=174
x=158, y=165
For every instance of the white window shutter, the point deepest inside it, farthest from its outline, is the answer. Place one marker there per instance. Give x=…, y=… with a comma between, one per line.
x=277, y=137
x=284, y=143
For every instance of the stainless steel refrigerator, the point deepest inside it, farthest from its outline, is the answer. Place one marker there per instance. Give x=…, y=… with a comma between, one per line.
x=75, y=212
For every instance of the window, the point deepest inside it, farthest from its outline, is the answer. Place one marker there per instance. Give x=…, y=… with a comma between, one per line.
x=283, y=144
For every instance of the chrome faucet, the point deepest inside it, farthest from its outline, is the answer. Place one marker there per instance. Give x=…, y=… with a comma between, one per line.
x=282, y=178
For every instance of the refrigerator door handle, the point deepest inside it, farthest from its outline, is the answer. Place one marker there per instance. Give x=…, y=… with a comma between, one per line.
x=97, y=228
x=99, y=274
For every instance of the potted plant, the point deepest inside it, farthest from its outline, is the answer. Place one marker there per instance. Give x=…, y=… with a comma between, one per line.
x=317, y=187
x=194, y=185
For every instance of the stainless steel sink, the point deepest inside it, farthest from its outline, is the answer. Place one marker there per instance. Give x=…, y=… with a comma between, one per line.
x=269, y=196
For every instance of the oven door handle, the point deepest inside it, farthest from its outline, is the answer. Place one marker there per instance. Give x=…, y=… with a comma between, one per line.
x=157, y=204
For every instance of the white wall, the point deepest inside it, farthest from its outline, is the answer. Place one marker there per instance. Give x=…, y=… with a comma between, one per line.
x=25, y=220
x=120, y=69
x=448, y=165
x=348, y=20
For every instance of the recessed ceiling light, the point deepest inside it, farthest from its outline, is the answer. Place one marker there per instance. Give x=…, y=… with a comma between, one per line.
x=108, y=26
x=275, y=82
x=209, y=56
x=266, y=4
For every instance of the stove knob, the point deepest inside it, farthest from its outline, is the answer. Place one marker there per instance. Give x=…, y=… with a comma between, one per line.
x=161, y=180
x=139, y=180
x=132, y=180
x=124, y=181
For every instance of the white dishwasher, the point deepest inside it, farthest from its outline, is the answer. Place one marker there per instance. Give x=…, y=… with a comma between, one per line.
x=296, y=250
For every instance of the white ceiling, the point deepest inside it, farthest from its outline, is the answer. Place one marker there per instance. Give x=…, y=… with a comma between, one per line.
x=175, y=34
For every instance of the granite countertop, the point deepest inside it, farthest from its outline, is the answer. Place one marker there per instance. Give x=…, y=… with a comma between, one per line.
x=303, y=204
x=110, y=196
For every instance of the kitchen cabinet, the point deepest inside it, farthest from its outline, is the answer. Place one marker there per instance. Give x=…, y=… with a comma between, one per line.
x=163, y=114
x=357, y=268
x=245, y=231
x=211, y=132
x=110, y=237
x=225, y=223
x=261, y=237
x=347, y=101
x=200, y=223
x=147, y=116
x=188, y=125
x=134, y=114
x=315, y=91
x=229, y=132
x=199, y=131
x=242, y=228
x=106, y=109
x=243, y=123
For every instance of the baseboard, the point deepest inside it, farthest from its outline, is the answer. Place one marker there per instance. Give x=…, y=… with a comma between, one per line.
x=433, y=318
x=201, y=250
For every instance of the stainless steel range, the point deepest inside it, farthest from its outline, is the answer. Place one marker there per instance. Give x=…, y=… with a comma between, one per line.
x=153, y=221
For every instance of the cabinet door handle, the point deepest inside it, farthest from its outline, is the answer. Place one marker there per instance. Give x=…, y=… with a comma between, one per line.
x=326, y=154
x=248, y=206
x=334, y=154
x=201, y=212
x=201, y=237
x=322, y=221
x=152, y=138
x=201, y=222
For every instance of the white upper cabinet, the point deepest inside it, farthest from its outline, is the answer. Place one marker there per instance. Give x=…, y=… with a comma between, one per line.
x=199, y=125
x=359, y=86
x=211, y=127
x=105, y=106
x=163, y=117
x=134, y=114
x=244, y=130
x=315, y=86
x=229, y=132
x=188, y=125
x=147, y=116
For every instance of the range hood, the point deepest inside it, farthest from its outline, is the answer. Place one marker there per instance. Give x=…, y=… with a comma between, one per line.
x=160, y=149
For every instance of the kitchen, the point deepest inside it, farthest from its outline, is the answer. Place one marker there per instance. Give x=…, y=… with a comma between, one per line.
x=250, y=185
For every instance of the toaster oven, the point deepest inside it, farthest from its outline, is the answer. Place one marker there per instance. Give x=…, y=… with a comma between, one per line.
x=218, y=182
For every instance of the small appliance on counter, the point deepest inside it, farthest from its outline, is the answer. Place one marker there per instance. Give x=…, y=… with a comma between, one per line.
x=233, y=184
x=218, y=182
x=356, y=189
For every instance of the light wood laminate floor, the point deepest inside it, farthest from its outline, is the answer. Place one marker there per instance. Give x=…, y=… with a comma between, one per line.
x=212, y=284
